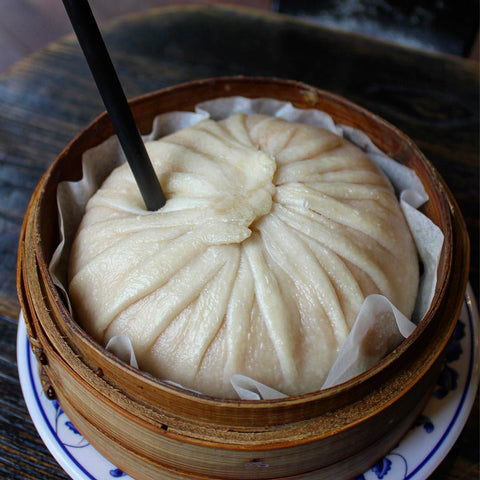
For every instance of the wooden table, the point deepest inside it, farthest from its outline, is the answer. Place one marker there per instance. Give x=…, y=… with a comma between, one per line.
x=50, y=96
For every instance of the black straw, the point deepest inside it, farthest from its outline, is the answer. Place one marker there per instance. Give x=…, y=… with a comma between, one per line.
x=108, y=84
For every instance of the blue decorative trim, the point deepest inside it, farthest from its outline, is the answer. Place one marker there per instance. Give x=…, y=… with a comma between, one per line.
x=461, y=403
x=446, y=383
x=47, y=421
x=117, y=473
x=382, y=468
x=425, y=422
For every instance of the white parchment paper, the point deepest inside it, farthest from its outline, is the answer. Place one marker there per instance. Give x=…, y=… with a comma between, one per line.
x=379, y=327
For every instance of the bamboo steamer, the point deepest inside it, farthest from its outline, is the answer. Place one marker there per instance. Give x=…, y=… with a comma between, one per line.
x=153, y=430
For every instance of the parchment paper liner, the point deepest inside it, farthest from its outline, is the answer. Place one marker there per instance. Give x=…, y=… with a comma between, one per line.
x=366, y=343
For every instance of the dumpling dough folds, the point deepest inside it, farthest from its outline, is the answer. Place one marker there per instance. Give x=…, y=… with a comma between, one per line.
x=272, y=236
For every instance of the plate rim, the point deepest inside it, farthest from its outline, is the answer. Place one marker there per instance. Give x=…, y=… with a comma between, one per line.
x=432, y=460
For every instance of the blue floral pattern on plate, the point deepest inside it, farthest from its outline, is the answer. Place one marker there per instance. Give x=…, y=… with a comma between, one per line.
x=416, y=456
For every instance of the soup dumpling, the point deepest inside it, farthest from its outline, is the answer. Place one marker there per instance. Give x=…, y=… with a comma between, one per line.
x=272, y=236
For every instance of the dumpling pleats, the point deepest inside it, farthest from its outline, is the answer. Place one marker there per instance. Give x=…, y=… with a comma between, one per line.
x=272, y=236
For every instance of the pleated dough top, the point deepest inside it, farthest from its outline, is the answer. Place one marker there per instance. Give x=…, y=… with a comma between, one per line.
x=272, y=236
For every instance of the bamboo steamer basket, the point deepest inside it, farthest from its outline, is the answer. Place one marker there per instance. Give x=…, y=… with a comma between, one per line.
x=153, y=430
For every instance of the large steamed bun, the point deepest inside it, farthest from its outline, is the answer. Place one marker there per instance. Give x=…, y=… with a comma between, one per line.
x=273, y=235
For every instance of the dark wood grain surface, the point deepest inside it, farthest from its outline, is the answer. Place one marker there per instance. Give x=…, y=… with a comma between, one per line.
x=27, y=25
x=46, y=99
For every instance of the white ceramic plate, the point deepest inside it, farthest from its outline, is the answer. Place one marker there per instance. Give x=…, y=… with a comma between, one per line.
x=416, y=456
